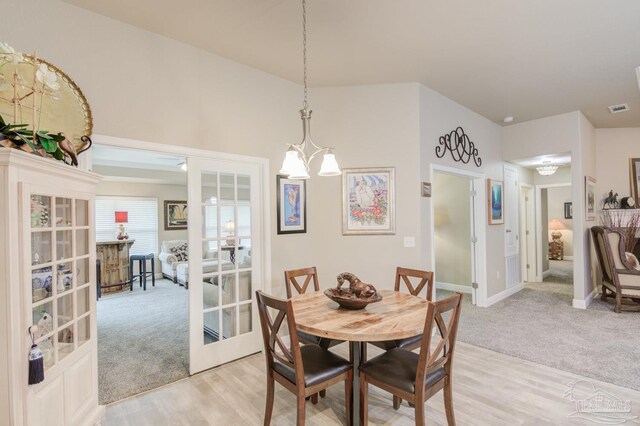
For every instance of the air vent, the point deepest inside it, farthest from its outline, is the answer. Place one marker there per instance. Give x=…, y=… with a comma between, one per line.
x=614, y=109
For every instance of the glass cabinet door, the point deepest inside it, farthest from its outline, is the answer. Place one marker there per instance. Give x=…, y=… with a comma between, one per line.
x=60, y=278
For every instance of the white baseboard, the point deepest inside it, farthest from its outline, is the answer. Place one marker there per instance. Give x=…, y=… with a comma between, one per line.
x=568, y=258
x=504, y=294
x=454, y=287
x=584, y=304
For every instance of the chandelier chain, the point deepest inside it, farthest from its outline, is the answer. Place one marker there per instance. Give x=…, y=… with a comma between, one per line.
x=304, y=50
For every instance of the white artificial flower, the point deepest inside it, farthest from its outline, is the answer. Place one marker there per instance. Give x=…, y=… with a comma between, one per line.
x=8, y=54
x=47, y=77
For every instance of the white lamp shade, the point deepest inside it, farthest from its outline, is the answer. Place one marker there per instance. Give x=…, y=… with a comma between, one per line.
x=329, y=166
x=229, y=226
x=289, y=164
x=299, y=170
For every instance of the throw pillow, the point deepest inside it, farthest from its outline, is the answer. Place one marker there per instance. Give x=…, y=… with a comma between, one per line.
x=181, y=252
x=633, y=260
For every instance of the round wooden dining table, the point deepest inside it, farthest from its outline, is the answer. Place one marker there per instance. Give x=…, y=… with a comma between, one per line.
x=397, y=316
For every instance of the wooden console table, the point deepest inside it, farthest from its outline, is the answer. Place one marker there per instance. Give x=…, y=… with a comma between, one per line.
x=114, y=264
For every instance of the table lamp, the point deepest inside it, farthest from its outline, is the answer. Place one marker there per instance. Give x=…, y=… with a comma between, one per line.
x=556, y=226
x=229, y=228
x=121, y=218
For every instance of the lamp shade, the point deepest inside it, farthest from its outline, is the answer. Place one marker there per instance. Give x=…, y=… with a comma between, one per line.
x=121, y=217
x=556, y=225
x=329, y=166
x=229, y=226
x=289, y=163
x=298, y=170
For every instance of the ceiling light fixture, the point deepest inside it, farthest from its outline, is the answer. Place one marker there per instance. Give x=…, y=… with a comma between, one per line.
x=508, y=119
x=546, y=169
x=297, y=159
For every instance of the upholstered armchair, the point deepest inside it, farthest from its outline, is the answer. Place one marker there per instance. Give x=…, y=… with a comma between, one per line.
x=620, y=270
x=169, y=258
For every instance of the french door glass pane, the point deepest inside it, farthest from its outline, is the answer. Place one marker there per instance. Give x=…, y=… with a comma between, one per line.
x=229, y=322
x=83, y=300
x=210, y=292
x=83, y=271
x=209, y=187
x=84, y=330
x=245, y=318
x=210, y=222
x=244, y=189
x=40, y=248
x=227, y=188
x=64, y=277
x=65, y=309
x=211, y=329
x=244, y=284
x=228, y=288
x=40, y=211
x=65, y=342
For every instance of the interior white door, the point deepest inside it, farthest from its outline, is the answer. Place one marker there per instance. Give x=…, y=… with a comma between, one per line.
x=511, y=229
x=225, y=267
x=474, y=244
x=527, y=234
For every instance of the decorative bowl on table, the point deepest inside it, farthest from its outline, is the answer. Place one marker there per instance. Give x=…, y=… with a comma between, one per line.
x=357, y=296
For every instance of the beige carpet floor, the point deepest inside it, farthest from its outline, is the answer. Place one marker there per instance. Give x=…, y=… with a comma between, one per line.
x=143, y=340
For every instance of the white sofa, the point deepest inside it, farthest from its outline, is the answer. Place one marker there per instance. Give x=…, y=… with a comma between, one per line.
x=169, y=260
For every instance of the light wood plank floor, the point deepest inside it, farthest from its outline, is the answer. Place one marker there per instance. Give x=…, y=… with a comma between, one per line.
x=489, y=389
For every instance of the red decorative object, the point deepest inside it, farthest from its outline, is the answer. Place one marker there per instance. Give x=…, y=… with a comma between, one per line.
x=122, y=217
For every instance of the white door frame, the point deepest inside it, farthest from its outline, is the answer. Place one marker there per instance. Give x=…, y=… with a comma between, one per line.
x=539, y=240
x=528, y=254
x=261, y=163
x=480, y=218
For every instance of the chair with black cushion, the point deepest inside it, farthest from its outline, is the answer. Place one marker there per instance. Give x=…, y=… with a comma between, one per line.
x=305, y=370
x=294, y=282
x=415, y=281
x=417, y=377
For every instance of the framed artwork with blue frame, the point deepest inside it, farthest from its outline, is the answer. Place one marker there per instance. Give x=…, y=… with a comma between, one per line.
x=291, y=205
x=495, y=195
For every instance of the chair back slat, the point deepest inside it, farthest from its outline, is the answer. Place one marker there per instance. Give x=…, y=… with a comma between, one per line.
x=420, y=280
x=610, y=251
x=293, y=278
x=274, y=346
x=442, y=353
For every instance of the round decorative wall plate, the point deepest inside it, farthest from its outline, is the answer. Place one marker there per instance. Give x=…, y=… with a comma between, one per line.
x=63, y=110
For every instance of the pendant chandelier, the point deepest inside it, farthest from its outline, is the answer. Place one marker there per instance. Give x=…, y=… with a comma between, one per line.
x=546, y=169
x=298, y=157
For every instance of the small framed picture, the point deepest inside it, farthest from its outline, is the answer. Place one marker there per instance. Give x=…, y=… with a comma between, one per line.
x=568, y=210
x=495, y=191
x=590, y=197
x=175, y=215
x=368, y=201
x=291, y=205
x=426, y=189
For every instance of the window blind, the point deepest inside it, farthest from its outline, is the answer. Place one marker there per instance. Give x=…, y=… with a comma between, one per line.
x=142, y=225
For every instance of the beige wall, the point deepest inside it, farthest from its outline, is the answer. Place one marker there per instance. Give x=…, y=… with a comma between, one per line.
x=452, y=215
x=614, y=148
x=562, y=133
x=439, y=116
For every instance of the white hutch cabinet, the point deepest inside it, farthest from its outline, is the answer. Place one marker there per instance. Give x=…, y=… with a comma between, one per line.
x=47, y=278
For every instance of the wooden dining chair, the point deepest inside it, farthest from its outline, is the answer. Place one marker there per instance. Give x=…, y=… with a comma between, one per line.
x=304, y=370
x=415, y=281
x=293, y=280
x=417, y=377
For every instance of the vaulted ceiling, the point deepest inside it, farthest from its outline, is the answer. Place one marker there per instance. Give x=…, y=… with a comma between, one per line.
x=522, y=58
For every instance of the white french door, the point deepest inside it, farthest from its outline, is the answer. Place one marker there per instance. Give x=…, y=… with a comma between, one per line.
x=225, y=270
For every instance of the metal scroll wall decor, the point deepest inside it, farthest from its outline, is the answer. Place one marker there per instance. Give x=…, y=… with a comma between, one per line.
x=460, y=147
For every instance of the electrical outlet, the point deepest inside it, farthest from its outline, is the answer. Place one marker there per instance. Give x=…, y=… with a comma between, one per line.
x=409, y=241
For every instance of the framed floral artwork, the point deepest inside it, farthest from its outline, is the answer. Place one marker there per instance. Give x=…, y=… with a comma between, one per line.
x=368, y=201
x=291, y=205
x=495, y=191
x=175, y=215
x=590, y=197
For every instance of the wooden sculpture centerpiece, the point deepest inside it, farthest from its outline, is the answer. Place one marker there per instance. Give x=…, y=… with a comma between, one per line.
x=357, y=296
